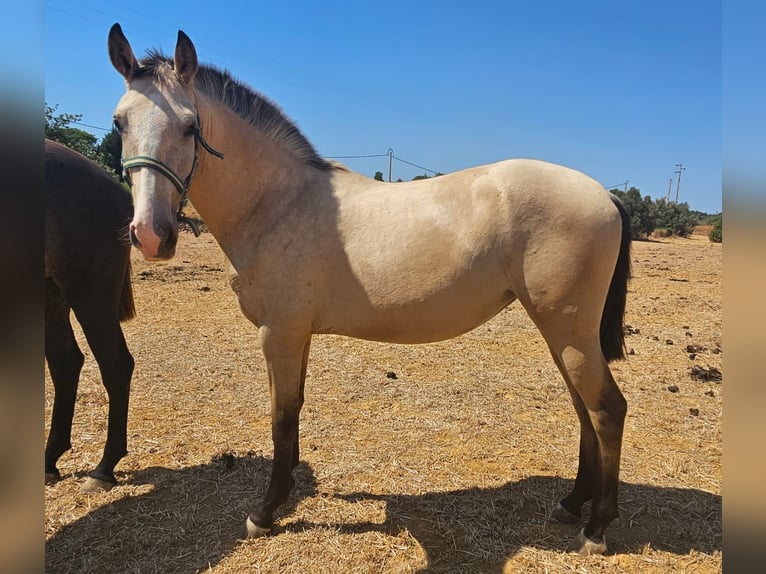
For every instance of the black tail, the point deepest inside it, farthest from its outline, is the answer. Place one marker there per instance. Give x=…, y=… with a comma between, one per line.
x=612, y=330
x=127, y=305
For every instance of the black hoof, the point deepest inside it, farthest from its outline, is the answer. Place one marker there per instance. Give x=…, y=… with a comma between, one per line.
x=52, y=476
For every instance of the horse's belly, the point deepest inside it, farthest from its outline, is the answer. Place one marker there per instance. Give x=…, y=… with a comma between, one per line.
x=436, y=318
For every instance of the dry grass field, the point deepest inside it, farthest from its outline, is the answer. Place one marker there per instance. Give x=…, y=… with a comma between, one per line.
x=451, y=466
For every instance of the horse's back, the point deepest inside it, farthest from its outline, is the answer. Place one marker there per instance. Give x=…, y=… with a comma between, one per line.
x=537, y=189
x=86, y=214
x=82, y=191
x=498, y=210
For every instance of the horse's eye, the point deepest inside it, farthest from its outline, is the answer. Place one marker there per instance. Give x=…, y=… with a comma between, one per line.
x=191, y=130
x=117, y=125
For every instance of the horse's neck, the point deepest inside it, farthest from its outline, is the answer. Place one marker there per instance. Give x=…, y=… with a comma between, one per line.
x=253, y=180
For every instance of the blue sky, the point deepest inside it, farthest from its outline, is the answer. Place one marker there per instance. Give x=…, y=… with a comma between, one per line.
x=623, y=91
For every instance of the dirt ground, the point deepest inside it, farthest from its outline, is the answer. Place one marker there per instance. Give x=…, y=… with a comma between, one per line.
x=451, y=466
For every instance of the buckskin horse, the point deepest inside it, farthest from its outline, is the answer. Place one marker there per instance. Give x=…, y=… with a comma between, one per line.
x=315, y=248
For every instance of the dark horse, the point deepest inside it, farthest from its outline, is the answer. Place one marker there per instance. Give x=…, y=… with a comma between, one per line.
x=87, y=270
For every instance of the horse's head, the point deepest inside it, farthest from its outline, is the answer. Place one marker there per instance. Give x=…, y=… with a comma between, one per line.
x=158, y=121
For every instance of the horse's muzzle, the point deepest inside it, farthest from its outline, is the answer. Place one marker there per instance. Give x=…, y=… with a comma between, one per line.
x=159, y=245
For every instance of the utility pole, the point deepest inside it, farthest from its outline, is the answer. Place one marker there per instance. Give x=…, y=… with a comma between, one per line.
x=680, y=169
x=625, y=186
x=390, y=157
x=670, y=182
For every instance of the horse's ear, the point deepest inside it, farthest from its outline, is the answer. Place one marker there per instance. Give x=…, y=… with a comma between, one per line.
x=121, y=54
x=185, y=59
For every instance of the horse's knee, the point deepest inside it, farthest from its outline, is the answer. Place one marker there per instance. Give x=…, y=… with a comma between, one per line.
x=65, y=366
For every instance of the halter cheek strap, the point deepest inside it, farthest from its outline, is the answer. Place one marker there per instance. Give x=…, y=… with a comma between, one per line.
x=182, y=186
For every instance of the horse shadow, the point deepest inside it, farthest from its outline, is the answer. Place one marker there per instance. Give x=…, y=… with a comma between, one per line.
x=183, y=520
x=192, y=519
x=480, y=529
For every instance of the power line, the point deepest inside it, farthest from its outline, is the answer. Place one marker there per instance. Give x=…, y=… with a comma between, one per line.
x=355, y=156
x=414, y=164
x=93, y=127
x=623, y=183
x=364, y=156
x=390, y=155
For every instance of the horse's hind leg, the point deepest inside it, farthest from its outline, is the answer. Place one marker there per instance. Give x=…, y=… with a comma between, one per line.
x=570, y=507
x=65, y=361
x=601, y=410
x=105, y=338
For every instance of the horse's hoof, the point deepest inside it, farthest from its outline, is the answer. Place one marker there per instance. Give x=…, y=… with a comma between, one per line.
x=255, y=531
x=51, y=477
x=585, y=546
x=561, y=514
x=93, y=484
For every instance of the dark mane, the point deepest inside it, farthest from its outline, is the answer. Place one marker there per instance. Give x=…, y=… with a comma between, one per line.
x=250, y=105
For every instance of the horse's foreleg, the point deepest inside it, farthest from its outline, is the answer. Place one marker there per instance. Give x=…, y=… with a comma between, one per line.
x=285, y=361
x=115, y=363
x=304, y=368
x=65, y=361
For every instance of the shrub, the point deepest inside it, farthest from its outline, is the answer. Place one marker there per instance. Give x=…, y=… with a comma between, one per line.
x=716, y=234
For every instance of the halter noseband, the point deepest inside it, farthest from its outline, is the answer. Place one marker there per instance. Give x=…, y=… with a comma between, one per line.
x=182, y=186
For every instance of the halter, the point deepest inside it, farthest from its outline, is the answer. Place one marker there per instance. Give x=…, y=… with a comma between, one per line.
x=182, y=186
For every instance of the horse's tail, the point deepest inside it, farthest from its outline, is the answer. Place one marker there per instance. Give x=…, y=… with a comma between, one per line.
x=612, y=331
x=127, y=305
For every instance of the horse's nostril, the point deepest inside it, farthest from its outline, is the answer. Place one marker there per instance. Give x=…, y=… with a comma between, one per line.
x=162, y=232
x=171, y=240
x=133, y=239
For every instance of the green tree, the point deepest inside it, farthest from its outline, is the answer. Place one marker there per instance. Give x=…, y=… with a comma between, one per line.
x=109, y=153
x=674, y=217
x=647, y=215
x=58, y=128
x=379, y=175
x=641, y=212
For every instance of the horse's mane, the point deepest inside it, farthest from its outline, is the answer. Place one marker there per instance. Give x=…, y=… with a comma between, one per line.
x=250, y=105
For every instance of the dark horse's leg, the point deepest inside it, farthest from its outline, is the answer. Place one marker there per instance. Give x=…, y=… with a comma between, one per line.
x=286, y=360
x=101, y=326
x=64, y=363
